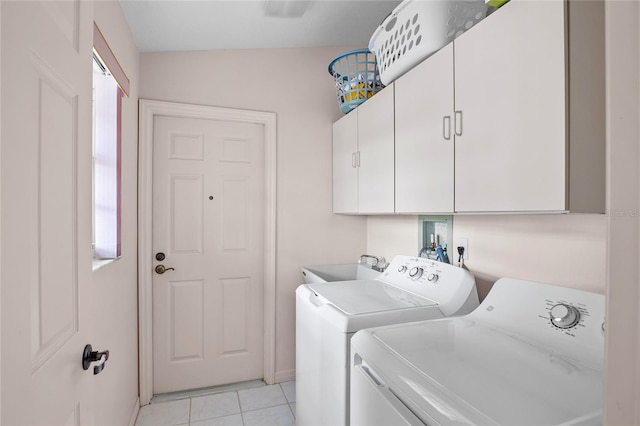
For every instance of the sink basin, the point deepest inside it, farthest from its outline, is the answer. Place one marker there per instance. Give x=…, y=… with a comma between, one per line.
x=329, y=273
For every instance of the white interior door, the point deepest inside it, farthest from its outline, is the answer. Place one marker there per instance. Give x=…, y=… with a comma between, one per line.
x=46, y=212
x=208, y=221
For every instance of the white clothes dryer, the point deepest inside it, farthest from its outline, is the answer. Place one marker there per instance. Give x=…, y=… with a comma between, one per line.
x=530, y=354
x=328, y=314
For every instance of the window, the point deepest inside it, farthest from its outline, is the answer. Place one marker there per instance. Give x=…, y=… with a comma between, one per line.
x=110, y=84
x=106, y=159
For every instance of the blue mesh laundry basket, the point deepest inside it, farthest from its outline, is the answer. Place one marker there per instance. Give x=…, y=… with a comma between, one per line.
x=356, y=76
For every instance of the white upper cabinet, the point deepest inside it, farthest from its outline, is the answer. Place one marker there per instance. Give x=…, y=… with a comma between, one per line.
x=345, y=172
x=510, y=117
x=424, y=136
x=363, y=164
x=375, y=145
x=511, y=111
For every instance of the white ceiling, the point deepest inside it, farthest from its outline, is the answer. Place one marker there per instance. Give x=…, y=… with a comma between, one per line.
x=181, y=25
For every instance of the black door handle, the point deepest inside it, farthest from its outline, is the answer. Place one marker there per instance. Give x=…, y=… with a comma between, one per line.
x=89, y=356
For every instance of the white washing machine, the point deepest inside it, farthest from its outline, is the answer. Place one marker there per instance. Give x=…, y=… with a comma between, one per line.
x=328, y=314
x=530, y=354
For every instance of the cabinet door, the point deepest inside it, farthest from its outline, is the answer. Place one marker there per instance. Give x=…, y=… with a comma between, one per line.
x=424, y=136
x=345, y=173
x=375, y=143
x=510, y=89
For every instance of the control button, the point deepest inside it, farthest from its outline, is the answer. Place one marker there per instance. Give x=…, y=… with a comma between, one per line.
x=402, y=269
x=415, y=273
x=564, y=316
x=432, y=278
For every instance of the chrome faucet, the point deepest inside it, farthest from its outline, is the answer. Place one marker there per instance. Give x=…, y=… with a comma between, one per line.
x=377, y=264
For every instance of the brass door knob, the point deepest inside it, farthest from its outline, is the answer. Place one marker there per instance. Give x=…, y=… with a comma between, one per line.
x=160, y=269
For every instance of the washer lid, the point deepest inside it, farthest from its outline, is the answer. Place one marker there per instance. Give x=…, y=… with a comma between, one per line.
x=458, y=371
x=369, y=296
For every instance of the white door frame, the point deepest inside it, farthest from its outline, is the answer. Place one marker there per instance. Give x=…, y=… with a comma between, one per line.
x=147, y=111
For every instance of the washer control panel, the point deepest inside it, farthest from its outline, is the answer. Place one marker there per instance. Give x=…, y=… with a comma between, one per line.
x=437, y=281
x=415, y=269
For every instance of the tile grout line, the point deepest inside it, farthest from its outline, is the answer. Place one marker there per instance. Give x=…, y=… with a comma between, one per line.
x=288, y=402
x=264, y=408
x=240, y=406
x=291, y=409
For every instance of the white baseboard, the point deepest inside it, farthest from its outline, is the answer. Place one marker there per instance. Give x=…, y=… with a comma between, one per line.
x=134, y=415
x=285, y=376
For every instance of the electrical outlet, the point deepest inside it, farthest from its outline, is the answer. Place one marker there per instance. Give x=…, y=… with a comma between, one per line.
x=464, y=242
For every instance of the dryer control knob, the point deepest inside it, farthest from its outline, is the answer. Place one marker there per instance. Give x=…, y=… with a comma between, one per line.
x=564, y=316
x=432, y=278
x=402, y=269
x=416, y=272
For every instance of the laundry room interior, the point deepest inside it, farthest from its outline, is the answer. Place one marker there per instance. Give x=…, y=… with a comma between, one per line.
x=567, y=216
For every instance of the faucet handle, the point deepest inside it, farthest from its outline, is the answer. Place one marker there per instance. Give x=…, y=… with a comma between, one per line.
x=381, y=265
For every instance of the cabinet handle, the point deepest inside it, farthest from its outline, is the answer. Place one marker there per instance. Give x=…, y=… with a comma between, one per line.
x=446, y=127
x=358, y=158
x=353, y=160
x=458, y=123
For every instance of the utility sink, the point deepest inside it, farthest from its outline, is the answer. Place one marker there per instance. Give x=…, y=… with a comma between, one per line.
x=330, y=273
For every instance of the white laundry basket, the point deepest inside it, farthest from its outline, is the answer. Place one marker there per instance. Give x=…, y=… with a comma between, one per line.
x=418, y=28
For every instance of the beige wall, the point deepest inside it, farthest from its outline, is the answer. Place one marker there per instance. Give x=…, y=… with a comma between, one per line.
x=622, y=357
x=388, y=236
x=566, y=250
x=115, y=285
x=294, y=84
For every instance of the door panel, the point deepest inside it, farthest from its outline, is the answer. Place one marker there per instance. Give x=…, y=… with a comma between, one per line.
x=187, y=320
x=54, y=309
x=345, y=171
x=46, y=231
x=186, y=213
x=425, y=136
x=376, y=149
x=208, y=204
x=510, y=89
x=235, y=209
x=234, y=321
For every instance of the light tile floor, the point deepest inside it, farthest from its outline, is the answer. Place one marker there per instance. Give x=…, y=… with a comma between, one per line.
x=263, y=406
